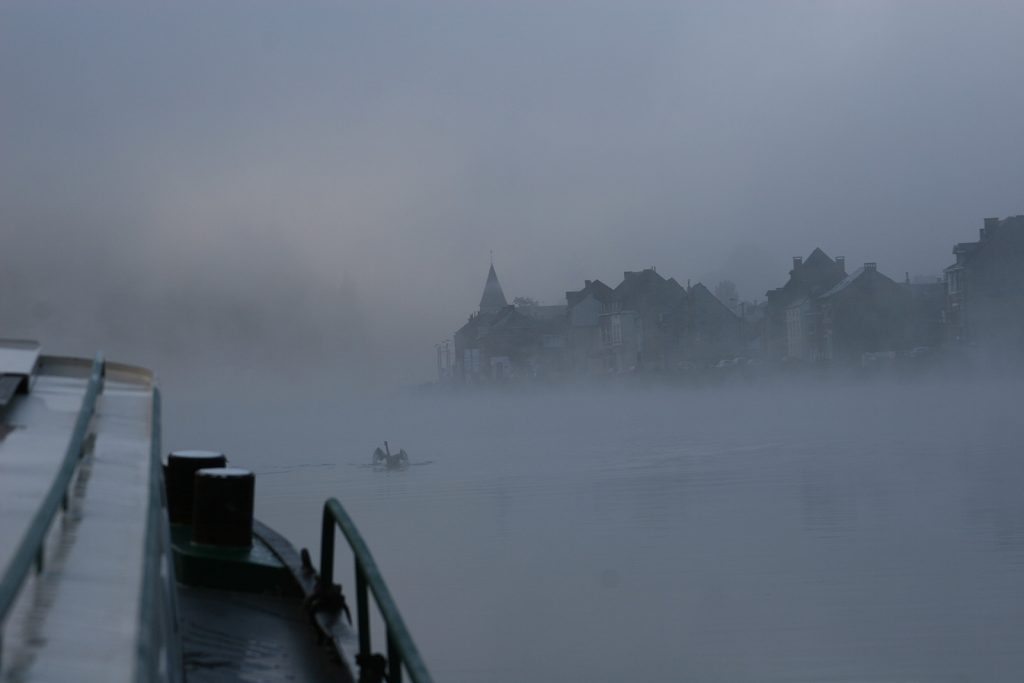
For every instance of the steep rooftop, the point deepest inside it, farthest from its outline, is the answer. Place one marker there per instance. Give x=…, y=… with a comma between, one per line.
x=493, y=299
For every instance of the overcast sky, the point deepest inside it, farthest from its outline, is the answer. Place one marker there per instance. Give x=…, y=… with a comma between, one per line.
x=331, y=176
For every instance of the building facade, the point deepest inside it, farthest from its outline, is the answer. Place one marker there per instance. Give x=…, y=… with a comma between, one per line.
x=807, y=280
x=985, y=290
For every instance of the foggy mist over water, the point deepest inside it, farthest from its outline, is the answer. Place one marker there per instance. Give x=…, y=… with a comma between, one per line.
x=867, y=531
x=281, y=208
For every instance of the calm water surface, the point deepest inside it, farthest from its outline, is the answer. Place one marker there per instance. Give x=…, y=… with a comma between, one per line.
x=823, y=533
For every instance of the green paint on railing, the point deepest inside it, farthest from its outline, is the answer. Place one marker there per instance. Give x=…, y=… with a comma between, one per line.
x=31, y=546
x=157, y=613
x=401, y=648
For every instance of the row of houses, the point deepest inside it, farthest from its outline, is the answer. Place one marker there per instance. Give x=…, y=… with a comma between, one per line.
x=645, y=323
x=976, y=308
x=821, y=314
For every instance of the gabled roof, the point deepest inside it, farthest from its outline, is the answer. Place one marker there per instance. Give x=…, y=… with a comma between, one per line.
x=702, y=296
x=674, y=285
x=493, y=299
x=599, y=290
x=866, y=271
x=818, y=258
x=844, y=283
x=700, y=290
x=819, y=272
x=644, y=289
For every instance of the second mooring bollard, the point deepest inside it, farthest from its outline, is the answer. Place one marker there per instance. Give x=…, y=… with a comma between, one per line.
x=223, y=509
x=179, y=477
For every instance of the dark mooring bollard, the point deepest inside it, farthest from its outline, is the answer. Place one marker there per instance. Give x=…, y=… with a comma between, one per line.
x=178, y=478
x=222, y=515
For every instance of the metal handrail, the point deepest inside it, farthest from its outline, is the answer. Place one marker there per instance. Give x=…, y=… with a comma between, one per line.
x=30, y=549
x=145, y=659
x=158, y=621
x=401, y=648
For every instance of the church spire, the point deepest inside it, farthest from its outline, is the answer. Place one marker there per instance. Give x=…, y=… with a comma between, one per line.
x=493, y=299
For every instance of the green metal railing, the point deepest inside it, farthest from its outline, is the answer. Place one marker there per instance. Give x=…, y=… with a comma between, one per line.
x=157, y=652
x=30, y=549
x=146, y=659
x=400, y=646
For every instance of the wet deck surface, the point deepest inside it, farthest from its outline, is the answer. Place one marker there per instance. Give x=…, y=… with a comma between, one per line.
x=38, y=428
x=243, y=637
x=78, y=619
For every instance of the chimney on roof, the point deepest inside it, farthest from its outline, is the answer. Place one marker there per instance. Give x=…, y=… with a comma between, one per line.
x=871, y=265
x=990, y=227
x=797, y=262
x=586, y=284
x=841, y=262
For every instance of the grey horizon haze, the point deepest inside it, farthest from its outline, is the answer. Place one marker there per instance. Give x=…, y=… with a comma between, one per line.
x=282, y=207
x=260, y=182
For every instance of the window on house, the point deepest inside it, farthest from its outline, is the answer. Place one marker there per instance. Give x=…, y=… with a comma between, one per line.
x=953, y=281
x=616, y=329
x=474, y=360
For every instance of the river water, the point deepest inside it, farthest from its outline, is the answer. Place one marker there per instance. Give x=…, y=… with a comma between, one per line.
x=866, y=532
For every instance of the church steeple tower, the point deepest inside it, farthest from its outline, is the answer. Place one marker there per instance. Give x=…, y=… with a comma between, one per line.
x=493, y=299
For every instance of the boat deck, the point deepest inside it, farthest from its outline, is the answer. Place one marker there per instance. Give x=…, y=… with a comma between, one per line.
x=77, y=619
x=96, y=585
x=229, y=637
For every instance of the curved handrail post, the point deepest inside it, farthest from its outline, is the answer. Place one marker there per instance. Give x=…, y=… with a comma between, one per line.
x=327, y=548
x=394, y=659
x=400, y=646
x=362, y=611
